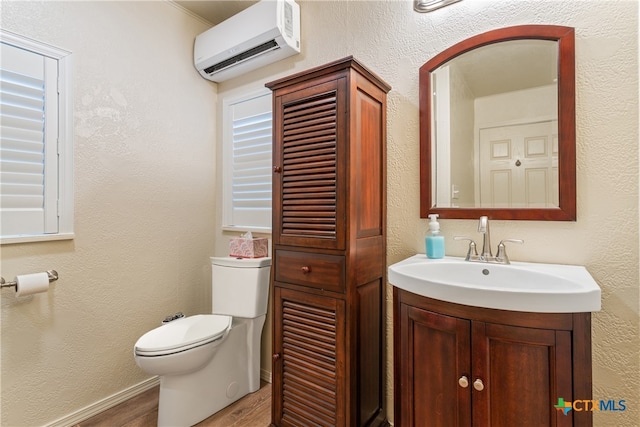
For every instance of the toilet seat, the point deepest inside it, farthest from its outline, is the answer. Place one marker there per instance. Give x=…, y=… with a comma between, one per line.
x=183, y=334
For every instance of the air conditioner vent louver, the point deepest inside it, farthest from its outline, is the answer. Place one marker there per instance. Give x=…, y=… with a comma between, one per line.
x=253, y=52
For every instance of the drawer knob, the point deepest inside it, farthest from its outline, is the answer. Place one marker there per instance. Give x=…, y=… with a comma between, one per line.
x=478, y=384
x=277, y=169
x=463, y=382
x=306, y=269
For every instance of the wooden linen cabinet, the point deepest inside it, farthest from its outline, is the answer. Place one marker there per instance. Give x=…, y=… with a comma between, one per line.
x=329, y=246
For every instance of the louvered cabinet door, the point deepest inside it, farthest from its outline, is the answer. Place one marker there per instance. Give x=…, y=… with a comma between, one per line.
x=309, y=162
x=308, y=380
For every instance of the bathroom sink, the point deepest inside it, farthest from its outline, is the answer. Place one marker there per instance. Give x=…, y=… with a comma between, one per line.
x=519, y=286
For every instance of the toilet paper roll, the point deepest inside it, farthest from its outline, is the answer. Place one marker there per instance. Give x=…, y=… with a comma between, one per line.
x=28, y=284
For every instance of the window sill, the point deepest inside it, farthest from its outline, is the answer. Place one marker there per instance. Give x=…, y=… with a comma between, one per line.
x=39, y=238
x=239, y=229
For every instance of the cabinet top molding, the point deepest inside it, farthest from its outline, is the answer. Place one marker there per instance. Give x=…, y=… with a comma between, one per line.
x=335, y=66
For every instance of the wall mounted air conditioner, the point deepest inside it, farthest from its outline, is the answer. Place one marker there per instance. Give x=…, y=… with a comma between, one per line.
x=263, y=33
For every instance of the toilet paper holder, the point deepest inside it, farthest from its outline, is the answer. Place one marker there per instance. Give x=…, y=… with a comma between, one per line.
x=53, y=276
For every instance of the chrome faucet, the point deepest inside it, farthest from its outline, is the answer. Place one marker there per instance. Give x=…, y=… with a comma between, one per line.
x=486, y=255
x=483, y=227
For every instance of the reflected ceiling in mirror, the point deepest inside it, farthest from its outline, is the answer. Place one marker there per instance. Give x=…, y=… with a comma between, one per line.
x=498, y=126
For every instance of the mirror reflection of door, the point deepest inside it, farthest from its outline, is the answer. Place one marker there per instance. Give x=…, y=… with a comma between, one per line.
x=518, y=166
x=503, y=88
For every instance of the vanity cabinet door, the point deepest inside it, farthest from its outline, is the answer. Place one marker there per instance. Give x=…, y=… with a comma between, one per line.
x=435, y=370
x=309, y=359
x=521, y=373
x=457, y=365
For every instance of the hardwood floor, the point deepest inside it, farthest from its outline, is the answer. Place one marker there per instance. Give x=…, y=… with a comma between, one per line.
x=253, y=410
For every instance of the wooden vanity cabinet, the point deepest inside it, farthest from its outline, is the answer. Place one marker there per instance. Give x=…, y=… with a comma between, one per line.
x=465, y=366
x=329, y=247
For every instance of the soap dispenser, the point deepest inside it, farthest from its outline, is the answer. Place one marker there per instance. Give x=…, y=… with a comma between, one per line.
x=434, y=242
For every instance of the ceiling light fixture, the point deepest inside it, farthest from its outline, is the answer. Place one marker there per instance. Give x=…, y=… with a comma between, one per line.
x=423, y=6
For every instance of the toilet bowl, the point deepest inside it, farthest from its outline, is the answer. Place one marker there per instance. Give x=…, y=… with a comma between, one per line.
x=206, y=362
x=181, y=346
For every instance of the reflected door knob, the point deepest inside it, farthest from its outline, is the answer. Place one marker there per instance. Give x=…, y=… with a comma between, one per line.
x=478, y=384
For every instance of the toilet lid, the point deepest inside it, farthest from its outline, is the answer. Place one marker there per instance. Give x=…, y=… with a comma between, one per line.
x=182, y=333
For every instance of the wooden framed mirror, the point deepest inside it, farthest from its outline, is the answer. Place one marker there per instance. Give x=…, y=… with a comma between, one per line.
x=497, y=126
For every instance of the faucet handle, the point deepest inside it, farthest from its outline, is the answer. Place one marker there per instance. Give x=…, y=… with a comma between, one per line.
x=472, y=246
x=501, y=256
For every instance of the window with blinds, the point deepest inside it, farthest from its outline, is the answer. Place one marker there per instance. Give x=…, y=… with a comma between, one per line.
x=247, y=160
x=34, y=141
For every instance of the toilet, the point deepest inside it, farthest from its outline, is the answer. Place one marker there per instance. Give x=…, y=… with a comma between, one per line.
x=206, y=362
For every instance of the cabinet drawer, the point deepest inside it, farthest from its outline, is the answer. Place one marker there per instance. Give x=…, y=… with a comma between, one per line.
x=316, y=270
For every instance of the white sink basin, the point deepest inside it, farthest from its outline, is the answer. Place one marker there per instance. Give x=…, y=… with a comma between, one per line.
x=520, y=286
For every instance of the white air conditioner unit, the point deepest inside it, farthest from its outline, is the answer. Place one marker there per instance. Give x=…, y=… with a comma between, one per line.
x=263, y=33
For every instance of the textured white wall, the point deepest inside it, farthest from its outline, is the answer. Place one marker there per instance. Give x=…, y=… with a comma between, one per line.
x=144, y=206
x=394, y=41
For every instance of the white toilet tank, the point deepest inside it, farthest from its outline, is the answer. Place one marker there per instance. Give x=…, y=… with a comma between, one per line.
x=240, y=286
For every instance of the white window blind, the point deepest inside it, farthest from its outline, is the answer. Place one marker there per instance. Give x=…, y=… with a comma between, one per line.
x=247, y=163
x=31, y=182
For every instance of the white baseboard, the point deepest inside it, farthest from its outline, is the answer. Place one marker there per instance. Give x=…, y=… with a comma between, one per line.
x=265, y=375
x=117, y=398
x=104, y=404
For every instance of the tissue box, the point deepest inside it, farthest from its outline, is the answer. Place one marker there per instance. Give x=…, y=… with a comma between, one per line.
x=243, y=247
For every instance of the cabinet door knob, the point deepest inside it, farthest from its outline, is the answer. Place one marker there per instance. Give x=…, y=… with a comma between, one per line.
x=277, y=169
x=478, y=384
x=463, y=382
x=276, y=356
x=306, y=270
